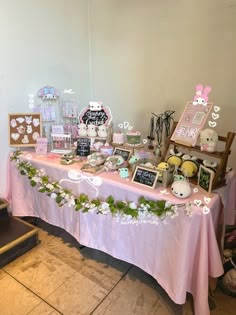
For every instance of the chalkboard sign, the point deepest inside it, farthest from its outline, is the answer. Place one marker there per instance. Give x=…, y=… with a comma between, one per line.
x=96, y=115
x=83, y=146
x=145, y=176
x=125, y=153
x=205, y=178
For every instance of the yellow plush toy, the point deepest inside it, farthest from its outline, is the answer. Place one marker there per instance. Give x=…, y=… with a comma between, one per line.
x=163, y=166
x=174, y=158
x=189, y=167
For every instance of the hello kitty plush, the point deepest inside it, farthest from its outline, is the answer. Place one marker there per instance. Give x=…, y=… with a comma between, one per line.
x=92, y=130
x=82, y=130
x=201, y=97
x=102, y=132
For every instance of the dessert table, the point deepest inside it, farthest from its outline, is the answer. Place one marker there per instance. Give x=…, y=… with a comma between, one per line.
x=180, y=252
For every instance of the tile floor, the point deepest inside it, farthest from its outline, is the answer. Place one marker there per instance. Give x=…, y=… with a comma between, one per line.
x=58, y=276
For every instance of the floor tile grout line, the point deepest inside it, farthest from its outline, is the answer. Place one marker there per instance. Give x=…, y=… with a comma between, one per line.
x=125, y=273
x=33, y=293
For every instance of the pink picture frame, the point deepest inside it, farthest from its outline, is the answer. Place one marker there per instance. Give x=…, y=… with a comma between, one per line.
x=191, y=123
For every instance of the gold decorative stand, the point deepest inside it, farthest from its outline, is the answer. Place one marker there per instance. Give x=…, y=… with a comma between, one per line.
x=16, y=236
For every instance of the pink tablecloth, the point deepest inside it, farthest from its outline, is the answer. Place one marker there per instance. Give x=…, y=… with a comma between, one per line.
x=179, y=253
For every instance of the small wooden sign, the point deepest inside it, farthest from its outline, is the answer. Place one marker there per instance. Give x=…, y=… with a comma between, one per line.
x=145, y=176
x=83, y=146
x=24, y=129
x=205, y=178
x=125, y=153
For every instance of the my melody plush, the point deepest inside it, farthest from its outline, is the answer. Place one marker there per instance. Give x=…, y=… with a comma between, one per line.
x=201, y=97
x=91, y=130
x=102, y=131
x=82, y=129
x=208, y=140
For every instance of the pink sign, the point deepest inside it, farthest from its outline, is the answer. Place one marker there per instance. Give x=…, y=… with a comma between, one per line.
x=191, y=123
x=41, y=146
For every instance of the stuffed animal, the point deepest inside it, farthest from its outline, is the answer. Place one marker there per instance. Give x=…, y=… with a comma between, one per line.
x=123, y=172
x=201, y=97
x=92, y=130
x=174, y=158
x=189, y=167
x=181, y=189
x=102, y=131
x=163, y=166
x=82, y=129
x=208, y=140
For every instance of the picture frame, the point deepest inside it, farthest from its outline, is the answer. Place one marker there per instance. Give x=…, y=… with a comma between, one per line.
x=125, y=153
x=191, y=123
x=145, y=176
x=41, y=147
x=205, y=178
x=24, y=129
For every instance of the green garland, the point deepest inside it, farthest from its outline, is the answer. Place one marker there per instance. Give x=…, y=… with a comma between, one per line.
x=145, y=210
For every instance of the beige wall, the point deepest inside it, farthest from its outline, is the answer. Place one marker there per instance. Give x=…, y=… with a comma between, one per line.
x=145, y=56
x=43, y=42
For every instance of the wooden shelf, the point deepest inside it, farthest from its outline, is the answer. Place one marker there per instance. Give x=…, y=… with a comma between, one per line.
x=222, y=156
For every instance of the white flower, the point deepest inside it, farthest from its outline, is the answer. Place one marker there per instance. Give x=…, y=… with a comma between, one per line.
x=49, y=186
x=167, y=204
x=36, y=179
x=132, y=205
x=53, y=195
x=71, y=202
x=104, y=206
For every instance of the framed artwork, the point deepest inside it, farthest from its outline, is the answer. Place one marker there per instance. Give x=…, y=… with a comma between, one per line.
x=191, y=122
x=205, y=178
x=24, y=129
x=145, y=176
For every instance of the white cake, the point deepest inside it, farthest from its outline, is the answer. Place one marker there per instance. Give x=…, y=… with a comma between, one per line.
x=118, y=137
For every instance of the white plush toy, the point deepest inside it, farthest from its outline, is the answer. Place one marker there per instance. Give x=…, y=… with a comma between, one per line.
x=181, y=189
x=102, y=131
x=82, y=129
x=92, y=130
x=208, y=140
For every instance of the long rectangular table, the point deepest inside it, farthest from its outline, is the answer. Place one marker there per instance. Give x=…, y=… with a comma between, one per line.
x=180, y=253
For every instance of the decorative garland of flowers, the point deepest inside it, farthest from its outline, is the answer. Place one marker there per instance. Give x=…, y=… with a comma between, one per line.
x=150, y=211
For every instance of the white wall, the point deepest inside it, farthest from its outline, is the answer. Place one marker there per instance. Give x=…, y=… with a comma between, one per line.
x=146, y=56
x=43, y=42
